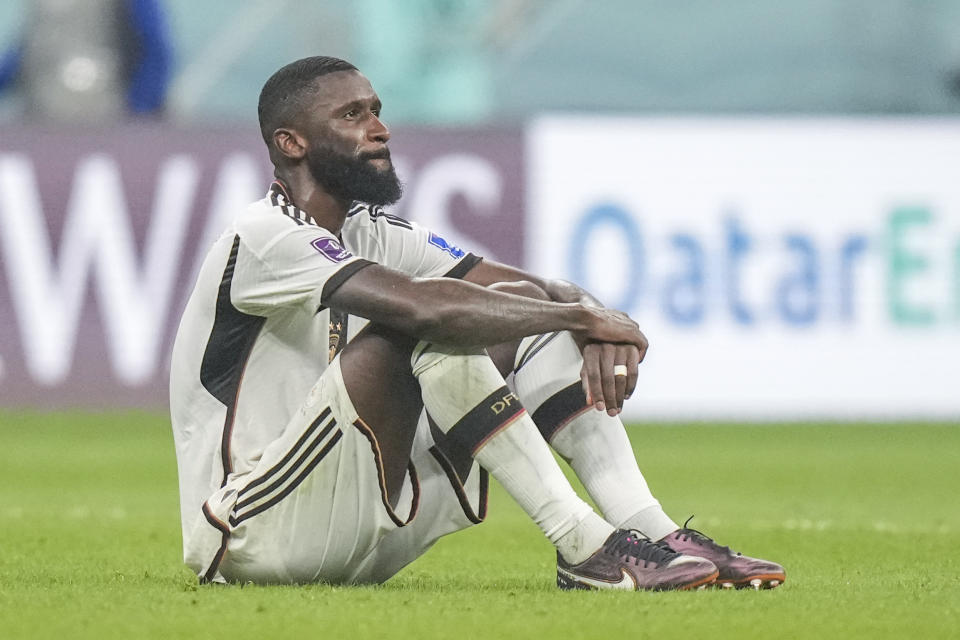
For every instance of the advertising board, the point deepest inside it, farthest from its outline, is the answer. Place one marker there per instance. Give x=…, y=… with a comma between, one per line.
x=781, y=268
x=102, y=233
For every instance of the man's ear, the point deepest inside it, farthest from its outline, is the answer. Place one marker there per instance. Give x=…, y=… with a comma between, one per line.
x=290, y=143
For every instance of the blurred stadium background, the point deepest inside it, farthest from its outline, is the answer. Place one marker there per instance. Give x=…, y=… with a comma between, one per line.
x=771, y=189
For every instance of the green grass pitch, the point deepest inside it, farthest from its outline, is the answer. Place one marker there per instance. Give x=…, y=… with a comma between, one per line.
x=864, y=517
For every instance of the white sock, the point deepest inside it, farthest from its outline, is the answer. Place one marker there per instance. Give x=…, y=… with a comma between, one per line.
x=547, y=380
x=464, y=389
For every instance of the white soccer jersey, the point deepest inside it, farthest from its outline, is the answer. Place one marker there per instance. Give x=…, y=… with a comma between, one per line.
x=254, y=337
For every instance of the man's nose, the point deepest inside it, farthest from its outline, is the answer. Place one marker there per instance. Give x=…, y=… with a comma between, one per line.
x=378, y=131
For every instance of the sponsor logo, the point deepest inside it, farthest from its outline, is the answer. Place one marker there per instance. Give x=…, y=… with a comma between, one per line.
x=331, y=249
x=98, y=254
x=443, y=245
x=741, y=251
x=501, y=405
x=626, y=582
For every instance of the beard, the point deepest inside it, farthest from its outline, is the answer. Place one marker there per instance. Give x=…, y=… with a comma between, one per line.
x=350, y=177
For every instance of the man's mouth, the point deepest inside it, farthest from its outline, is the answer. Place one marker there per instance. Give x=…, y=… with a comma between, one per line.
x=379, y=159
x=380, y=154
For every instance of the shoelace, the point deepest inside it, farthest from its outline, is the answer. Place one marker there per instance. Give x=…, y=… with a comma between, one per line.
x=633, y=545
x=703, y=538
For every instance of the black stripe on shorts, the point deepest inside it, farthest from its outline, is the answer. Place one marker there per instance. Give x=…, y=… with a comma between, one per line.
x=293, y=451
x=304, y=448
x=235, y=520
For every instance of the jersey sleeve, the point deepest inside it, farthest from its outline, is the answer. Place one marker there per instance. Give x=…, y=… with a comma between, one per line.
x=412, y=249
x=282, y=263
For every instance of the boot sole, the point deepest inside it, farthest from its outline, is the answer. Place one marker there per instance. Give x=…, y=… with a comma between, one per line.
x=568, y=584
x=767, y=581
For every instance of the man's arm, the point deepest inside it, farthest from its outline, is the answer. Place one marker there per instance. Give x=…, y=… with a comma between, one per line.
x=599, y=357
x=487, y=272
x=455, y=312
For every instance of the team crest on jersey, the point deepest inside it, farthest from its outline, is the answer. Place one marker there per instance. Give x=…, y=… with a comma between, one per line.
x=331, y=249
x=452, y=249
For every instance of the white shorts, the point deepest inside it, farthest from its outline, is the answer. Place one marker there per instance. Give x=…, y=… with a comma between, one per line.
x=315, y=507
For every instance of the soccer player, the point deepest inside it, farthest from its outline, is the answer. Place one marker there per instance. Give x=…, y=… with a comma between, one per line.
x=338, y=393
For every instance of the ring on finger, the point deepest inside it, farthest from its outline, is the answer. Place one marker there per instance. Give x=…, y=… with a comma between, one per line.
x=620, y=370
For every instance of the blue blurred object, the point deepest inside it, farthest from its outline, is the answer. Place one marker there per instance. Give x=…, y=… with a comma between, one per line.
x=150, y=71
x=456, y=62
x=143, y=46
x=9, y=66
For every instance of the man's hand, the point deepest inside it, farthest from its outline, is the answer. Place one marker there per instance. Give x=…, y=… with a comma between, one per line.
x=604, y=389
x=615, y=343
x=611, y=339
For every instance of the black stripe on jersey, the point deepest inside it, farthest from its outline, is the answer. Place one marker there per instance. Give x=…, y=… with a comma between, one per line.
x=293, y=485
x=377, y=212
x=355, y=209
x=228, y=349
x=277, y=188
x=463, y=267
x=493, y=413
x=539, y=343
x=293, y=216
x=396, y=221
x=335, y=281
x=293, y=451
x=559, y=409
x=279, y=198
x=300, y=216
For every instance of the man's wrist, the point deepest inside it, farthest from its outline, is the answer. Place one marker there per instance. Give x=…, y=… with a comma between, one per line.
x=582, y=317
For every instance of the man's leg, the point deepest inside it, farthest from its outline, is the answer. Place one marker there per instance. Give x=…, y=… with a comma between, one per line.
x=547, y=380
x=495, y=429
x=594, y=444
x=468, y=401
x=546, y=370
x=286, y=517
x=376, y=373
x=285, y=520
x=458, y=388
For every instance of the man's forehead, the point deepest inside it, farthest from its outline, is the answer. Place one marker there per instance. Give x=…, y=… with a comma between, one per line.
x=341, y=87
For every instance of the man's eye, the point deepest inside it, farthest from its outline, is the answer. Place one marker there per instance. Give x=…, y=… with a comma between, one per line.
x=353, y=113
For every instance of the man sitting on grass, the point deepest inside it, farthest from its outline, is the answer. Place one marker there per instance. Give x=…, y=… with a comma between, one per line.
x=338, y=388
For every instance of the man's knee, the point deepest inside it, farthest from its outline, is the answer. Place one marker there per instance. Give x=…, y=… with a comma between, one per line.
x=523, y=288
x=503, y=355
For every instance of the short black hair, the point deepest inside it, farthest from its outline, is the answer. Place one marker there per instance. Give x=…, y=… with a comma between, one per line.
x=282, y=96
